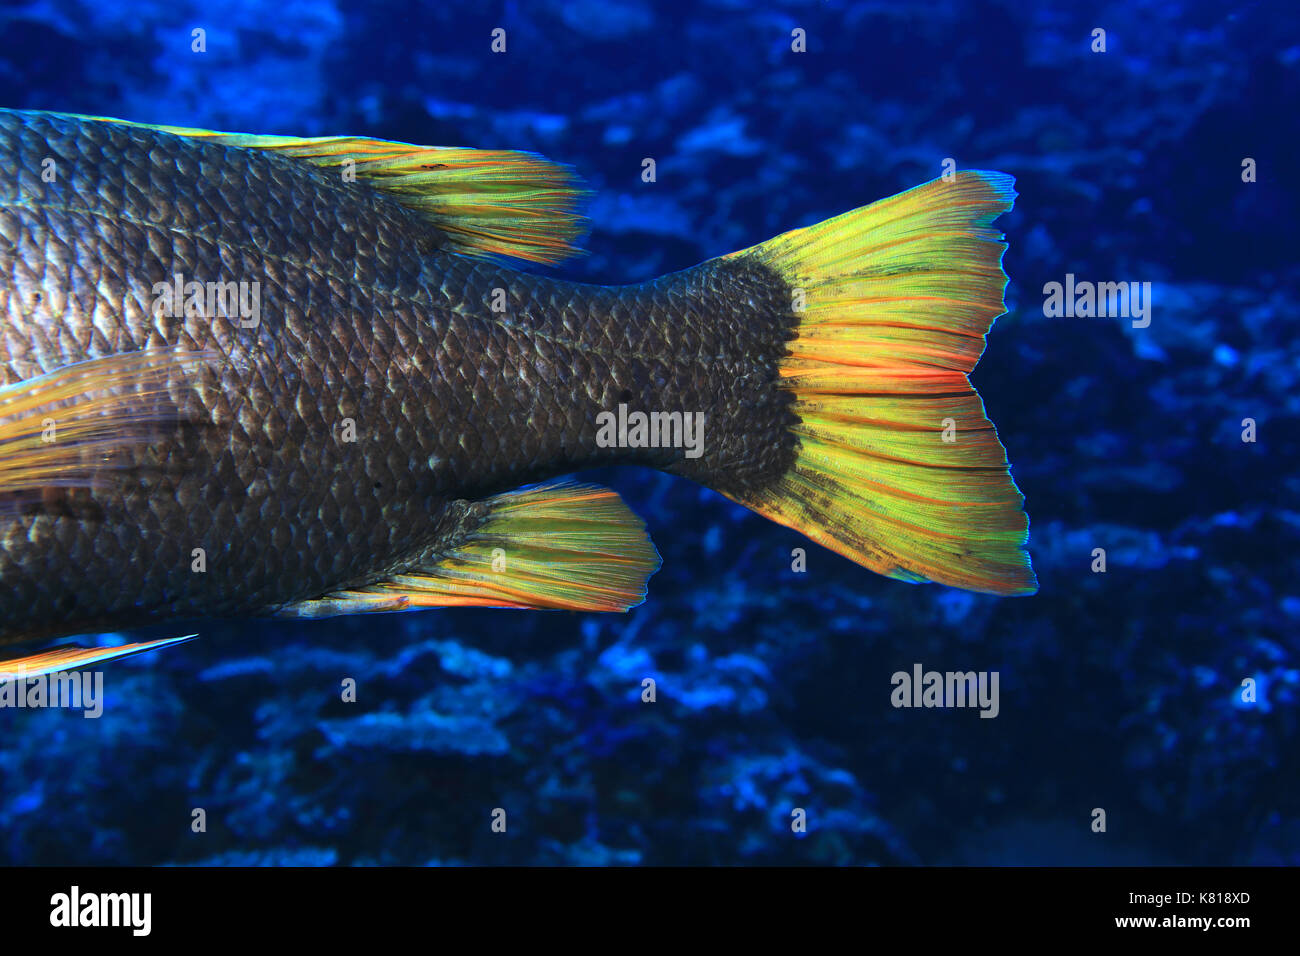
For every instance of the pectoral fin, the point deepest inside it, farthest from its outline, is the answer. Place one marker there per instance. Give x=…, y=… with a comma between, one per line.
x=61, y=429
x=565, y=545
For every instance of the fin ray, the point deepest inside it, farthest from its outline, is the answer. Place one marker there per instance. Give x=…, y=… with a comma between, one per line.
x=898, y=298
x=487, y=202
x=561, y=546
x=62, y=428
x=69, y=657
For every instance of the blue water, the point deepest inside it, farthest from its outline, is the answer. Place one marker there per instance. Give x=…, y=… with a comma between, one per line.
x=1120, y=691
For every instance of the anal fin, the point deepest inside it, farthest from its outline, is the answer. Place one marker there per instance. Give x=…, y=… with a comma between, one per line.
x=562, y=546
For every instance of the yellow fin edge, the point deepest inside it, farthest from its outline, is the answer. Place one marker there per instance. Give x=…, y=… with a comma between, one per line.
x=62, y=429
x=487, y=202
x=898, y=467
x=560, y=546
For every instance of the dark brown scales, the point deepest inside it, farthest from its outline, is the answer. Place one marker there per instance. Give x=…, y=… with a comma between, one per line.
x=363, y=320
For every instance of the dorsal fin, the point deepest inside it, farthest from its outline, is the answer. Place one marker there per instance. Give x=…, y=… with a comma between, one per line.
x=488, y=202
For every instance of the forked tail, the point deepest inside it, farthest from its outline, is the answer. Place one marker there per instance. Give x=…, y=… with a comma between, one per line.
x=897, y=466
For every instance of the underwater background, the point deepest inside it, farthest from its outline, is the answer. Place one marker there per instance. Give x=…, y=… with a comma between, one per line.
x=1120, y=690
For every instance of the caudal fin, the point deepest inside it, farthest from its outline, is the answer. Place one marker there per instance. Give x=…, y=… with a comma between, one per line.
x=897, y=466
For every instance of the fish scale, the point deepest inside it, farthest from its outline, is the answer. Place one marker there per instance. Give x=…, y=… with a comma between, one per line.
x=370, y=444
x=365, y=315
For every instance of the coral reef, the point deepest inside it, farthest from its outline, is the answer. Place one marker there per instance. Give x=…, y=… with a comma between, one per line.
x=1120, y=690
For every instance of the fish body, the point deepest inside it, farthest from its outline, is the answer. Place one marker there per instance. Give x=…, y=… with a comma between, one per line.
x=346, y=422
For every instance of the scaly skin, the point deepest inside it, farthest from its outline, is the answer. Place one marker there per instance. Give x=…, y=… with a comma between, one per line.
x=363, y=317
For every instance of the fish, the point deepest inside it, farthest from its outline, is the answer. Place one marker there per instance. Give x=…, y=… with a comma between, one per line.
x=252, y=376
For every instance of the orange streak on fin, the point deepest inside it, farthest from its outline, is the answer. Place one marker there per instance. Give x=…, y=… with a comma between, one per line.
x=562, y=546
x=62, y=429
x=898, y=467
x=69, y=657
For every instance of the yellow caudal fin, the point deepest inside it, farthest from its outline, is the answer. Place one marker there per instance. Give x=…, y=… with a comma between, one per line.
x=563, y=545
x=898, y=466
x=61, y=429
x=487, y=202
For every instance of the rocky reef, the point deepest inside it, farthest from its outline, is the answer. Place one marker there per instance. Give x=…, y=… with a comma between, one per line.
x=1120, y=690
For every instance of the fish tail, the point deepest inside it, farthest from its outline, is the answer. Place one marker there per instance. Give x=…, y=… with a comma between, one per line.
x=893, y=462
